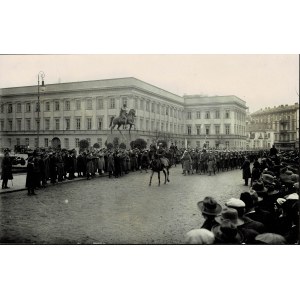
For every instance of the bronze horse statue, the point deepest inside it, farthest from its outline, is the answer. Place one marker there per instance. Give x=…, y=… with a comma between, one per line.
x=120, y=121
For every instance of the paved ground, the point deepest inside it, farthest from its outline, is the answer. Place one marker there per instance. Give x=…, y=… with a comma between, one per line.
x=114, y=211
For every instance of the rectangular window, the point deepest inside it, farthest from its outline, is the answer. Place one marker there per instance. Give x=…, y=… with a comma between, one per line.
x=217, y=129
x=78, y=104
x=66, y=143
x=78, y=123
x=227, y=129
x=198, y=129
x=207, y=130
x=89, y=123
x=9, y=108
x=227, y=144
x=47, y=106
x=18, y=142
x=76, y=142
x=47, y=124
x=19, y=124
x=19, y=107
x=217, y=114
x=142, y=105
x=26, y=141
x=27, y=107
x=56, y=105
x=189, y=115
x=189, y=129
x=100, y=103
x=162, y=127
x=147, y=106
x=89, y=104
x=67, y=105
x=2, y=108
x=158, y=108
x=147, y=124
x=227, y=114
x=28, y=124
x=46, y=142
x=124, y=101
x=152, y=125
x=37, y=124
x=99, y=141
x=57, y=124
x=141, y=124
x=2, y=125
x=198, y=115
x=152, y=107
x=9, y=125
x=37, y=106
x=112, y=103
x=167, y=111
x=67, y=124
x=171, y=112
x=100, y=123
x=207, y=115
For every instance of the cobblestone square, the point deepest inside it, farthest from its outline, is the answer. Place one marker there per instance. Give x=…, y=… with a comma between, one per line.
x=114, y=211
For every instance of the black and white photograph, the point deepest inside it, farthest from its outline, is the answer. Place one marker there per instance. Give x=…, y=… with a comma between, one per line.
x=149, y=149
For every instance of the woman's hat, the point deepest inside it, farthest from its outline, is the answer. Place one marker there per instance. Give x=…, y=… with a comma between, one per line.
x=259, y=188
x=267, y=179
x=209, y=206
x=229, y=214
x=199, y=237
x=270, y=239
x=227, y=232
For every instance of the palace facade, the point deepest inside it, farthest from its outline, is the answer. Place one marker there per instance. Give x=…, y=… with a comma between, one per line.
x=70, y=112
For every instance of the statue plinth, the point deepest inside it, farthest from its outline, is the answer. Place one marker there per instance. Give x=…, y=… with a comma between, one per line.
x=122, y=138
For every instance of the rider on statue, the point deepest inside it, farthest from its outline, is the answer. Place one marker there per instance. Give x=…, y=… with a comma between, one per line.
x=123, y=113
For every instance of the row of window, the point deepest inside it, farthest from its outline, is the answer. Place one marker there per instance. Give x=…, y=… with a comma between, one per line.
x=142, y=105
x=208, y=115
x=208, y=129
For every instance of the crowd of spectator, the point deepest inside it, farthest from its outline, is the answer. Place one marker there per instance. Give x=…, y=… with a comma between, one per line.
x=266, y=214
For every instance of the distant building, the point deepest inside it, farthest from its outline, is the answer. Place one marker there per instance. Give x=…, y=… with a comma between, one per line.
x=70, y=112
x=281, y=121
x=218, y=121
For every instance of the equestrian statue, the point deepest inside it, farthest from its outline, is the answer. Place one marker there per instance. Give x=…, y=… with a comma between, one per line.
x=123, y=119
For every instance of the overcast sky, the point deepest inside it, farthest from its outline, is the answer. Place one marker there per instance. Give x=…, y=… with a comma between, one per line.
x=260, y=80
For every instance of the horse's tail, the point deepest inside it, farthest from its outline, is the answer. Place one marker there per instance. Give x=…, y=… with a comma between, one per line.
x=111, y=120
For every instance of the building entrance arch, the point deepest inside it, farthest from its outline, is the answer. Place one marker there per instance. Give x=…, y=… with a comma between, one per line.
x=56, y=144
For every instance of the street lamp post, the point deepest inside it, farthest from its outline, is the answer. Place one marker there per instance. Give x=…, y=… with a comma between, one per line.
x=42, y=75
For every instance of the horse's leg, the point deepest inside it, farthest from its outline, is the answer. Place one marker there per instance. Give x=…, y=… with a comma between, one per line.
x=120, y=131
x=158, y=173
x=151, y=177
x=165, y=176
x=168, y=175
x=130, y=128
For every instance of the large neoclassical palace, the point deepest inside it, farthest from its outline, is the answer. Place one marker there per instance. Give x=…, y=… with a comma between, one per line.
x=73, y=111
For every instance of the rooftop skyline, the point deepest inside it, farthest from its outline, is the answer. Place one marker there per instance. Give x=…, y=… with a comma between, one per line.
x=260, y=80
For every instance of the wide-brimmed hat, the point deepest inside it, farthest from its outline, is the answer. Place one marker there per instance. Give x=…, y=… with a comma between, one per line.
x=231, y=215
x=267, y=178
x=235, y=203
x=209, y=206
x=270, y=239
x=259, y=188
x=227, y=233
x=200, y=236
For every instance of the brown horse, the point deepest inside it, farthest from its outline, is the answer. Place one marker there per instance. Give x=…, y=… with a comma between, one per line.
x=120, y=121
